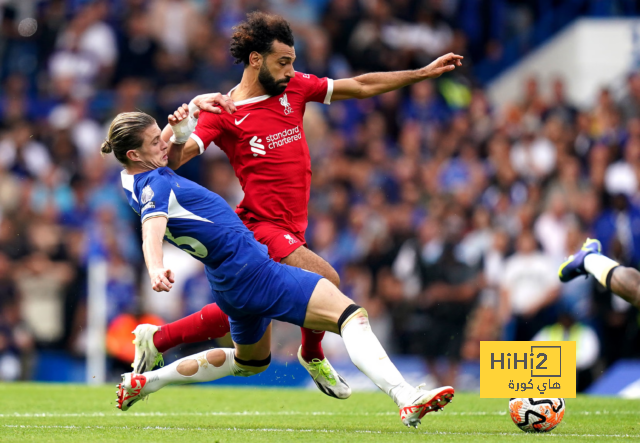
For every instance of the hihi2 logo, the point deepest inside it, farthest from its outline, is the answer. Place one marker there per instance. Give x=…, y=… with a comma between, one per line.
x=511, y=369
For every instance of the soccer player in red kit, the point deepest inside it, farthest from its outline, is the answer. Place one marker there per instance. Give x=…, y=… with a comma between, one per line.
x=259, y=127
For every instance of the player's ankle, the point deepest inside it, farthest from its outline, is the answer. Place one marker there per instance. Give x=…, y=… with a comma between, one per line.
x=309, y=355
x=402, y=393
x=160, y=340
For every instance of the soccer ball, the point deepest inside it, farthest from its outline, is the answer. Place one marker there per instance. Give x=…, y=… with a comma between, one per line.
x=536, y=414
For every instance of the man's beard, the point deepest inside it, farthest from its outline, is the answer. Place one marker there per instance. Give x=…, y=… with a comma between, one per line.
x=269, y=83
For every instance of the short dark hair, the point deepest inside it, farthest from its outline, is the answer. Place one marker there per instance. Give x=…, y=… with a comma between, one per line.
x=257, y=33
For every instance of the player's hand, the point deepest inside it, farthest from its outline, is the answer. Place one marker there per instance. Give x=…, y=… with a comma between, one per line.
x=181, y=113
x=182, y=124
x=443, y=64
x=162, y=279
x=208, y=102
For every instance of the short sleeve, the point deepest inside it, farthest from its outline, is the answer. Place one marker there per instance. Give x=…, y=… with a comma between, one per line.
x=316, y=89
x=154, y=198
x=207, y=130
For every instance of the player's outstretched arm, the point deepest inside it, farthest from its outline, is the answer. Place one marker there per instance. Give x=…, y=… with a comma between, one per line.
x=153, y=230
x=376, y=83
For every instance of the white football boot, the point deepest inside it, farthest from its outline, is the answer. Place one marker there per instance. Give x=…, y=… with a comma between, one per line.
x=130, y=390
x=147, y=356
x=422, y=402
x=325, y=377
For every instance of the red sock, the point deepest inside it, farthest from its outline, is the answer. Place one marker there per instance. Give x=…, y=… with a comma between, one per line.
x=209, y=323
x=312, y=344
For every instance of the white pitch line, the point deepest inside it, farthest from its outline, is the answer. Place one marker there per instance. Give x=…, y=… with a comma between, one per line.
x=278, y=413
x=221, y=414
x=188, y=414
x=317, y=431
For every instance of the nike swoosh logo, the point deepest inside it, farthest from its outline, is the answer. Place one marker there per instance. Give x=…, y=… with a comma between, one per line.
x=240, y=121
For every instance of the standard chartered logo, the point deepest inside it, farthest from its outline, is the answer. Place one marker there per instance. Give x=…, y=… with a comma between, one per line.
x=256, y=146
x=275, y=140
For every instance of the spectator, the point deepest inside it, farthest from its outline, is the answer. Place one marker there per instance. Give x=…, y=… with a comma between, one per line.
x=429, y=34
x=559, y=106
x=552, y=226
x=630, y=103
x=93, y=35
x=22, y=154
x=183, y=19
x=41, y=285
x=529, y=289
x=137, y=50
x=16, y=345
x=615, y=229
x=86, y=52
x=216, y=72
x=533, y=157
x=75, y=135
x=621, y=176
x=450, y=291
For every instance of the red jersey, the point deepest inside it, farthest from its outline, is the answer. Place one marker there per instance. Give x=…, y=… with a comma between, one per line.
x=266, y=146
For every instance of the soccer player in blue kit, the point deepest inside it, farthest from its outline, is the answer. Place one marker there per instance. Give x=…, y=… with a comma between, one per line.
x=247, y=285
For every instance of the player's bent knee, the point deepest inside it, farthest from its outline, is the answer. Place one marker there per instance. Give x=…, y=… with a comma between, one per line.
x=247, y=368
x=188, y=368
x=216, y=357
x=350, y=313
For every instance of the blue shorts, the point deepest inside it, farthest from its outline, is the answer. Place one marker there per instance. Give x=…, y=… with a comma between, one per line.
x=273, y=291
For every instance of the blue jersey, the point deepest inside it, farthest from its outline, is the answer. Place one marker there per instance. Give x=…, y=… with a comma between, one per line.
x=200, y=223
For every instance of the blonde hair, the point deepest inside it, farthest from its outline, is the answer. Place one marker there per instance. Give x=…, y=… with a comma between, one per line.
x=126, y=133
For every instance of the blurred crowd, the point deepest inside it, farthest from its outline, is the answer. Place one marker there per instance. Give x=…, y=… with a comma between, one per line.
x=447, y=219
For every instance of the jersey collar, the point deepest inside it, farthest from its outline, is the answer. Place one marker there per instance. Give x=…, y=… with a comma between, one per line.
x=127, y=183
x=249, y=100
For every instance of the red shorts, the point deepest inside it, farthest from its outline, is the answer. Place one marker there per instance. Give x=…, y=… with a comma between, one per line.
x=280, y=242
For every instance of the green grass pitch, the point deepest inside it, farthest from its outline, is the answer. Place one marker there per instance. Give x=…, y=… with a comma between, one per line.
x=74, y=413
